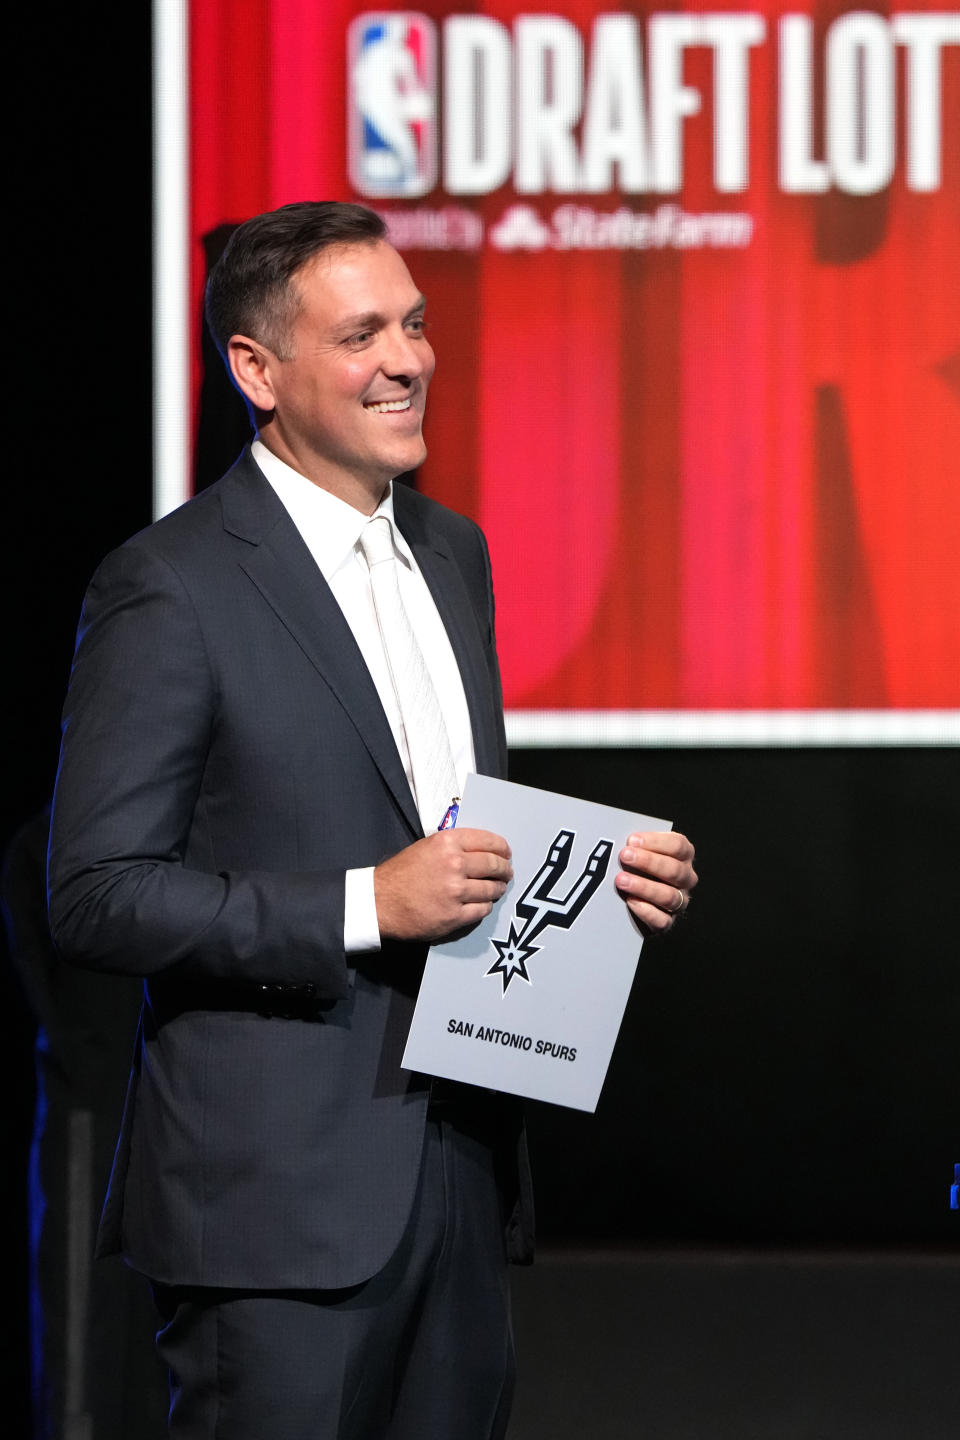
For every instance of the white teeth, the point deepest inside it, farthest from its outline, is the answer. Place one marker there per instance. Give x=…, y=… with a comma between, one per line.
x=383, y=407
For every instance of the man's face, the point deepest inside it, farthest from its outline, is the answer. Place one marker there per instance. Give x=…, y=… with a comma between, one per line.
x=349, y=401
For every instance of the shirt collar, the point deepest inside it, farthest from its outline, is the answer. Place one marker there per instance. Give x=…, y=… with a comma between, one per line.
x=329, y=526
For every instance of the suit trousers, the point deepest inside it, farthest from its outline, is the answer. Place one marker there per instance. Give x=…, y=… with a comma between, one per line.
x=421, y=1351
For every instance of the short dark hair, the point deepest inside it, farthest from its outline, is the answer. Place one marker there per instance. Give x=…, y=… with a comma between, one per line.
x=249, y=290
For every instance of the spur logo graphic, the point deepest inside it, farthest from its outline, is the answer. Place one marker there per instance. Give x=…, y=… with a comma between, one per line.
x=392, y=106
x=539, y=907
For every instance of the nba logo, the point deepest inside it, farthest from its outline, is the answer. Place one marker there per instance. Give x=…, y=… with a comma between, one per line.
x=391, y=57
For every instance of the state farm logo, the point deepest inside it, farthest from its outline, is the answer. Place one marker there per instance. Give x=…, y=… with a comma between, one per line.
x=539, y=907
x=520, y=229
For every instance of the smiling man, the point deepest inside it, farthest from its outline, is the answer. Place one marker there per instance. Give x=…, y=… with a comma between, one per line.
x=341, y=397
x=277, y=691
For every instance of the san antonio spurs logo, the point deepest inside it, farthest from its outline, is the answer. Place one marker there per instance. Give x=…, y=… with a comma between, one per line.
x=538, y=907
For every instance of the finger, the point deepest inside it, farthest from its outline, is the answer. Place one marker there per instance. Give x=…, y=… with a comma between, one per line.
x=670, y=869
x=486, y=892
x=483, y=865
x=659, y=867
x=663, y=842
x=670, y=899
x=481, y=840
x=651, y=918
x=471, y=915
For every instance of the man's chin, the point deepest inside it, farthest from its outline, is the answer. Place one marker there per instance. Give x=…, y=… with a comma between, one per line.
x=410, y=458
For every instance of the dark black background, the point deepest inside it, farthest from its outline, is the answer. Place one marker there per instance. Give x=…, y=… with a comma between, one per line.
x=788, y=1071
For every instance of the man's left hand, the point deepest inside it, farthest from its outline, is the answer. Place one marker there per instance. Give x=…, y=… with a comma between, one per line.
x=657, y=878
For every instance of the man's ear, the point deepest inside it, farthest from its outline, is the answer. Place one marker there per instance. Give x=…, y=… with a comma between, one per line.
x=250, y=365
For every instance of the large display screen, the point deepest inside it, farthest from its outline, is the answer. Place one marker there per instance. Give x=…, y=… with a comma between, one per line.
x=693, y=280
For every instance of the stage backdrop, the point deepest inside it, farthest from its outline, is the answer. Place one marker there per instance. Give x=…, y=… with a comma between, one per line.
x=693, y=287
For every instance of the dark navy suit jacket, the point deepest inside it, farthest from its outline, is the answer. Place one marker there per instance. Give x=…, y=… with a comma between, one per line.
x=225, y=760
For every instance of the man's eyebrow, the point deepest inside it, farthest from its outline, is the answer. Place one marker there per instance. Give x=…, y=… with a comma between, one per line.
x=370, y=319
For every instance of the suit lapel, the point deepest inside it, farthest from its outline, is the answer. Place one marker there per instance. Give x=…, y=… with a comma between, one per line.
x=445, y=582
x=285, y=573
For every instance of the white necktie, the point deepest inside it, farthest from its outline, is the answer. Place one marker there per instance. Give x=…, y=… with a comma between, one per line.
x=428, y=745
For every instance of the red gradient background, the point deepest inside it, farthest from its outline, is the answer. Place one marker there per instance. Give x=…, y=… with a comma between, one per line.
x=710, y=479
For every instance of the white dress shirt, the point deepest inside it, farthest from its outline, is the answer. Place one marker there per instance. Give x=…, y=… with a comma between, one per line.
x=330, y=529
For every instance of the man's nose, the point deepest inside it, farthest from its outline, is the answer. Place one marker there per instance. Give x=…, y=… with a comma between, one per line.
x=404, y=355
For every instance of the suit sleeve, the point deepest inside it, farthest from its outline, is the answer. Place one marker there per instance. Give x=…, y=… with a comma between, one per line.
x=138, y=719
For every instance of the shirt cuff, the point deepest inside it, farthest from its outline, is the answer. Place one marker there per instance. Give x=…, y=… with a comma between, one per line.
x=360, y=928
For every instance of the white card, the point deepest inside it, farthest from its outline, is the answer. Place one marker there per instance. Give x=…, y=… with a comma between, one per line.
x=531, y=1001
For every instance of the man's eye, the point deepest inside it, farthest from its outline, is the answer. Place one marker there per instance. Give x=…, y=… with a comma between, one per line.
x=417, y=325
x=362, y=337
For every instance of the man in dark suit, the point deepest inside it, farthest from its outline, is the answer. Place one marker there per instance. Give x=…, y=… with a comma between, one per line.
x=245, y=816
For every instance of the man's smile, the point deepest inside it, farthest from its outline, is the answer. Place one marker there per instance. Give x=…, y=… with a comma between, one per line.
x=385, y=407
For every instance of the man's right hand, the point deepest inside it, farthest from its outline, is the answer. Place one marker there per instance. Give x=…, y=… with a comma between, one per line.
x=440, y=885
